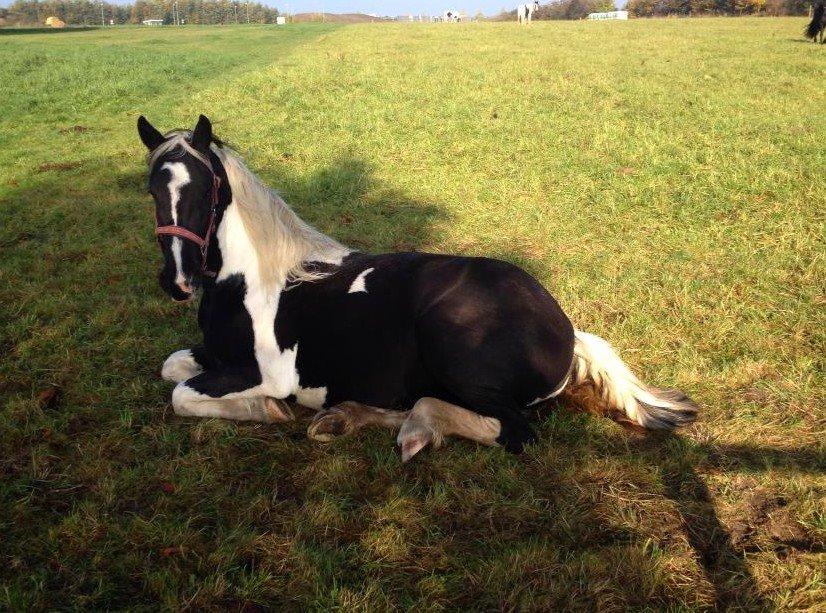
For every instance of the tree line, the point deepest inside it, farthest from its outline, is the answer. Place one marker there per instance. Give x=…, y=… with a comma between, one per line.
x=563, y=9
x=659, y=8
x=579, y=9
x=85, y=12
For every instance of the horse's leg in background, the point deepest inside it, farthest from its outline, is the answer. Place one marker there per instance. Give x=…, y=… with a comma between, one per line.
x=349, y=417
x=234, y=394
x=431, y=420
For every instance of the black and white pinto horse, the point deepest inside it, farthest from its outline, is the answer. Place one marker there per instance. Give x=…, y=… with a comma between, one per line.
x=525, y=11
x=817, y=26
x=431, y=345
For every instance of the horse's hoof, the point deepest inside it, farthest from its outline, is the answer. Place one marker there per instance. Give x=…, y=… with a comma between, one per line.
x=277, y=411
x=328, y=425
x=413, y=437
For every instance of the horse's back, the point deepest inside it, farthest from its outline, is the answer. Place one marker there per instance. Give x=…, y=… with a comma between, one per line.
x=490, y=332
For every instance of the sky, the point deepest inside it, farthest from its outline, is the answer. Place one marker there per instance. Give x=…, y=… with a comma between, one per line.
x=394, y=7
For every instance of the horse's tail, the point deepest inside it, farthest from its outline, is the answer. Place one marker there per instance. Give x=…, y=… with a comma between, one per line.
x=596, y=361
x=816, y=24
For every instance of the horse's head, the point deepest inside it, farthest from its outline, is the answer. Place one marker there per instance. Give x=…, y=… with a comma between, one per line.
x=184, y=184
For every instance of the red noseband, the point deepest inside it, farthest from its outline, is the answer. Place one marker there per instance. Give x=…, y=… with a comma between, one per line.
x=201, y=241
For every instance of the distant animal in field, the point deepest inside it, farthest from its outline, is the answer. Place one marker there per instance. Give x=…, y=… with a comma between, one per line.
x=429, y=345
x=525, y=12
x=817, y=26
x=450, y=16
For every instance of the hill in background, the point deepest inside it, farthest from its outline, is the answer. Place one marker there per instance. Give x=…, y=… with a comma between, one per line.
x=337, y=17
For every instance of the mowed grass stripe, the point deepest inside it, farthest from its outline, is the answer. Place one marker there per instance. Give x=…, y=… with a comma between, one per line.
x=659, y=176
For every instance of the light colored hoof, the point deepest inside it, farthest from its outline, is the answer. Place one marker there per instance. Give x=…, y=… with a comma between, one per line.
x=413, y=437
x=277, y=411
x=329, y=424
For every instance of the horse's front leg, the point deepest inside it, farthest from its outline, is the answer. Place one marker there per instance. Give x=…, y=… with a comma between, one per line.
x=232, y=394
x=184, y=364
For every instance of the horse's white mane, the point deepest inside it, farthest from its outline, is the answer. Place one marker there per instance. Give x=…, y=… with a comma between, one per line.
x=285, y=244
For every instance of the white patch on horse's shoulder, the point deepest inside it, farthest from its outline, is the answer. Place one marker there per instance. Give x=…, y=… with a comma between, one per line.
x=358, y=284
x=237, y=252
x=312, y=397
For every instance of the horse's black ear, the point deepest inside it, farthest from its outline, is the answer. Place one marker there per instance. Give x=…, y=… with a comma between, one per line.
x=202, y=134
x=149, y=135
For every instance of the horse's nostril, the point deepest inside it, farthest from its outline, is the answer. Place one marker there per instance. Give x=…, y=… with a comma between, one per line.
x=185, y=287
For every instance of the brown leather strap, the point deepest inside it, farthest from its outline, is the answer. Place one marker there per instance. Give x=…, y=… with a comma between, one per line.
x=174, y=230
x=181, y=232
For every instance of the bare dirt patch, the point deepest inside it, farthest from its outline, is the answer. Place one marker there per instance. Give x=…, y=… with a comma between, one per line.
x=768, y=523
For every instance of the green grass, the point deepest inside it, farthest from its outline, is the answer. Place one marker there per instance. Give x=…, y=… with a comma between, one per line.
x=663, y=178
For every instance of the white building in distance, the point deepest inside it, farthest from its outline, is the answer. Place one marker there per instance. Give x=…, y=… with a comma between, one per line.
x=609, y=15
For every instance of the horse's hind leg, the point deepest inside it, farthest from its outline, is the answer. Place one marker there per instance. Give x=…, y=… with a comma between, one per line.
x=349, y=417
x=431, y=420
x=232, y=395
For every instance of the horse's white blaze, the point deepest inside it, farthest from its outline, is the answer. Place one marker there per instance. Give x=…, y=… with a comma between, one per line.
x=179, y=178
x=358, y=284
x=180, y=366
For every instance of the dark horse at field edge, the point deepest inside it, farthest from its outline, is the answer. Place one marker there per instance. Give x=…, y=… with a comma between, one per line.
x=817, y=26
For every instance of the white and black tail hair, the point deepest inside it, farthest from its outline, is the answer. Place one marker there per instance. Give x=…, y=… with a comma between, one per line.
x=596, y=361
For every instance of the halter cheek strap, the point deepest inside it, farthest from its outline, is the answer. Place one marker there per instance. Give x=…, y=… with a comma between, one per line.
x=201, y=241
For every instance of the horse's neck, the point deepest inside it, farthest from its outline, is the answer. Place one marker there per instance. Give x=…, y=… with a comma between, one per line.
x=238, y=255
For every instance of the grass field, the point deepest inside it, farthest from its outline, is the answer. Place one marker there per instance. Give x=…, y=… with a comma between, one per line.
x=664, y=178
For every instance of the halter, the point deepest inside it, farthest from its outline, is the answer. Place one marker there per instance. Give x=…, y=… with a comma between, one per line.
x=181, y=232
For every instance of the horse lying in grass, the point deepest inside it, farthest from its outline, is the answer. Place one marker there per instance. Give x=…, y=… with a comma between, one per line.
x=431, y=345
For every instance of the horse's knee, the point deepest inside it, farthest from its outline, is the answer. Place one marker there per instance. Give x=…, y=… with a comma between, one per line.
x=424, y=416
x=182, y=397
x=423, y=407
x=180, y=366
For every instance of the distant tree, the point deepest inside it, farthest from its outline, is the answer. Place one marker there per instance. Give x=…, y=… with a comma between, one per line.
x=573, y=9
x=652, y=8
x=87, y=12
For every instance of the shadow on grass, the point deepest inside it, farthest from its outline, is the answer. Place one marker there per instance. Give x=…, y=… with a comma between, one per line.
x=16, y=31
x=110, y=249
x=726, y=569
x=734, y=585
